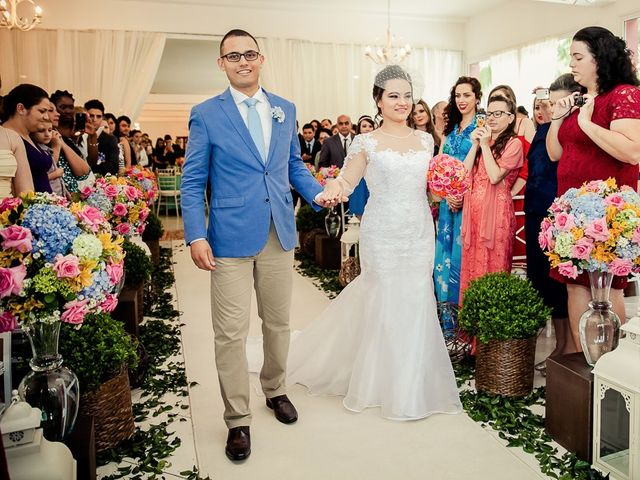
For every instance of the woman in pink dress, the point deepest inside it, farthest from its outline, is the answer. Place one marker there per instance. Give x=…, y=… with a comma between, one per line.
x=488, y=218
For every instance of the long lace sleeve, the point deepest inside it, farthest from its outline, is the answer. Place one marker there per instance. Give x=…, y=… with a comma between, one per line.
x=352, y=170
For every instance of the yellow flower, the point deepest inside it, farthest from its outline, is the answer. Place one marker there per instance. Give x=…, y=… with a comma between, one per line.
x=611, y=212
x=21, y=306
x=86, y=269
x=577, y=233
x=611, y=183
x=75, y=207
x=554, y=258
x=602, y=254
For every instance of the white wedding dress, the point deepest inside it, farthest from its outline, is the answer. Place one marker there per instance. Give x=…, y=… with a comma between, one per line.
x=379, y=343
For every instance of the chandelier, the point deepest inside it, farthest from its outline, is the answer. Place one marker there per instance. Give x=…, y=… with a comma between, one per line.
x=9, y=17
x=388, y=53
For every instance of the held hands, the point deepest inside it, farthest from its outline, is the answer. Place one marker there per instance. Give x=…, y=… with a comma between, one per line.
x=202, y=255
x=332, y=195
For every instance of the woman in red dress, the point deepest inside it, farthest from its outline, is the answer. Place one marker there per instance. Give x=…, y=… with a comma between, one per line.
x=488, y=218
x=601, y=139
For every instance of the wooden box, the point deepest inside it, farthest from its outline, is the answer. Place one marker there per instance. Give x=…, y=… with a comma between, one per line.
x=130, y=308
x=327, y=252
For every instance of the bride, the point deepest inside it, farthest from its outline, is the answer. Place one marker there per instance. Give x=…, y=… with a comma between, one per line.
x=379, y=343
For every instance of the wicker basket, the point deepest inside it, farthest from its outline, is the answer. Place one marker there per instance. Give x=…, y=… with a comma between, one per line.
x=110, y=407
x=505, y=367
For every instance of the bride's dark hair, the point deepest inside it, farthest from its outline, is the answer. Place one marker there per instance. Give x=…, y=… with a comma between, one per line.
x=390, y=72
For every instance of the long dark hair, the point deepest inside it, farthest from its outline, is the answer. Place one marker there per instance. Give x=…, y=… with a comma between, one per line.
x=614, y=65
x=451, y=112
x=26, y=94
x=430, y=125
x=510, y=132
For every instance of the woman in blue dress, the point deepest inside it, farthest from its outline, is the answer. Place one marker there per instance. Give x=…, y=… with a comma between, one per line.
x=460, y=114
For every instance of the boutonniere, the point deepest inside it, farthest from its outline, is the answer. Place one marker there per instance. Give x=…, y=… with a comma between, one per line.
x=278, y=114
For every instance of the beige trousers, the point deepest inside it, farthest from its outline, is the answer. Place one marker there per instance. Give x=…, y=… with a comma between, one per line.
x=270, y=273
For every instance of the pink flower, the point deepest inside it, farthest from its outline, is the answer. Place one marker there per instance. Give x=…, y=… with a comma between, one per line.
x=75, y=311
x=144, y=213
x=545, y=239
x=565, y=221
x=598, y=230
x=123, y=228
x=111, y=191
x=556, y=207
x=7, y=322
x=120, y=209
x=582, y=248
x=11, y=280
x=9, y=203
x=636, y=235
x=140, y=228
x=86, y=192
x=110, y=303
x=67, y=266
x=92, y=217
x=16, y=237
x=615, y=199
x=115, y=271
x=132, y=193
x=621, y=267
x=568, y=269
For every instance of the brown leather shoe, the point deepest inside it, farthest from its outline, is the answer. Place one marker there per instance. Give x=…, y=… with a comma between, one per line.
x=238, y=443
x=283, y=408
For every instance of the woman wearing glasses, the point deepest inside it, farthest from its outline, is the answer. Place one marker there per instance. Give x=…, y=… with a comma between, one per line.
x=601, y=139
x=488, y=218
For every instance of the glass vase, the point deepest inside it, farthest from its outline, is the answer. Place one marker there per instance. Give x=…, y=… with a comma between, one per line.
x=599, y=326
x=332, y=223
x=49, y=386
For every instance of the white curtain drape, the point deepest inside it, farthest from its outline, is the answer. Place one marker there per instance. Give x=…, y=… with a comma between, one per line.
x=505, y=70
x=116, y=67
x=537, y=68
x=326, y=80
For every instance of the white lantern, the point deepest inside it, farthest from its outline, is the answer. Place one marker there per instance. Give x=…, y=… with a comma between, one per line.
x=616, y=407
x=350, y=238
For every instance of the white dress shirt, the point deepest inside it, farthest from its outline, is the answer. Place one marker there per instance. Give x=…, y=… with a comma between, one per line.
x=263, y=108
x=342, y=139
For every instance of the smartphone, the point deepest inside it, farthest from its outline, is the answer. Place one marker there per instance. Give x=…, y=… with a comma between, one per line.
x=481, y=118
x=542, y=94
x=80, y=121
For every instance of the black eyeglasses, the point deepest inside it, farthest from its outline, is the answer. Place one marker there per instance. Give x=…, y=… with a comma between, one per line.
x=249, y=56
x=497, y=114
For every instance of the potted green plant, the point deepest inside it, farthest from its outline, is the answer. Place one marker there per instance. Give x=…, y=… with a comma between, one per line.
x=309, y=224
x=101, y=354
x=152, y=235
x=504, y=313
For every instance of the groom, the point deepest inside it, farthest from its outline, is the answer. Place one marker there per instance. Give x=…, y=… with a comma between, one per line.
x=244, y=143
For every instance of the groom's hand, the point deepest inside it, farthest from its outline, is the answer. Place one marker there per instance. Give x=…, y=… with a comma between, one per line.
x=202, y=255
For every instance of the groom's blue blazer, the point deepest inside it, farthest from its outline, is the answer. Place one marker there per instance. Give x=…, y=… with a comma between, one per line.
x=247, y=194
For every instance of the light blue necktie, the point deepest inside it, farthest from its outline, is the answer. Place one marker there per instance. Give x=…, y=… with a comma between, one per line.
x=255, y=125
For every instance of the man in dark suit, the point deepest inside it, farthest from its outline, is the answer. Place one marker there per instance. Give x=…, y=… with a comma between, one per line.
x=309, y=146
x=102, y=148
x=335, y=149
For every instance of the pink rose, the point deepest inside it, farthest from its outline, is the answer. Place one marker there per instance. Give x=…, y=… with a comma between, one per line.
x=9, y=203
x=115, y=271
x=11, y=280
x=132, y=193
x=565, y=221
x=636, y=235
x=582, y=248
x=16, y=237
x=598, y=230
x=140, y=228
x=92, y=217
x=7, y=322
x=144, y=213
x=86, y=192
x=545, y=239
x=620, y=267
x=615, y=199
x=120, y=209
x=110, y=303
x=111, y=191
x=556, y=207
x=568, y=269
x=75, y=311
x=67, y=266
x=123, y=228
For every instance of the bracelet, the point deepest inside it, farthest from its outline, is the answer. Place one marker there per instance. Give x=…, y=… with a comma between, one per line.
x=93, y=144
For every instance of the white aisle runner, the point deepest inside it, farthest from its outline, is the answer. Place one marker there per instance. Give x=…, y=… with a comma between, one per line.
x=328, y=442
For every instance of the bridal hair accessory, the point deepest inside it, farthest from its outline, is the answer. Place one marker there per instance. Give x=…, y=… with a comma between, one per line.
x=396, y=72
x=278, y=114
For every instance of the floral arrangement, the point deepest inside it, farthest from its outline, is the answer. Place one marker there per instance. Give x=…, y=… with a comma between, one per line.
x=147, y=181
x=447, y=176
x=121, y=200
x=323, y=173
x=278, y=114
x=59, y=261
x=593, y=228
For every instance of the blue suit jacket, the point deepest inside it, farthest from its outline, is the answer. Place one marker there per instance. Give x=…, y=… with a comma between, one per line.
x=246, y=193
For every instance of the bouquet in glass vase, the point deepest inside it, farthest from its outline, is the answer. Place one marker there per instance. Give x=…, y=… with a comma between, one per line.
x=595, y=229
x=447, y=176
x=146, y=180
x=121, y=200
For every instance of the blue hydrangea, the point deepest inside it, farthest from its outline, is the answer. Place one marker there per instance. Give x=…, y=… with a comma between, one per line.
x=54, y=228
x=101, y=285
x=588, y=207
x=100, y=201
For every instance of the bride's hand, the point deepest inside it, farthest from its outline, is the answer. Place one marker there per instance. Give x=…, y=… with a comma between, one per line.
x=331, y=195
